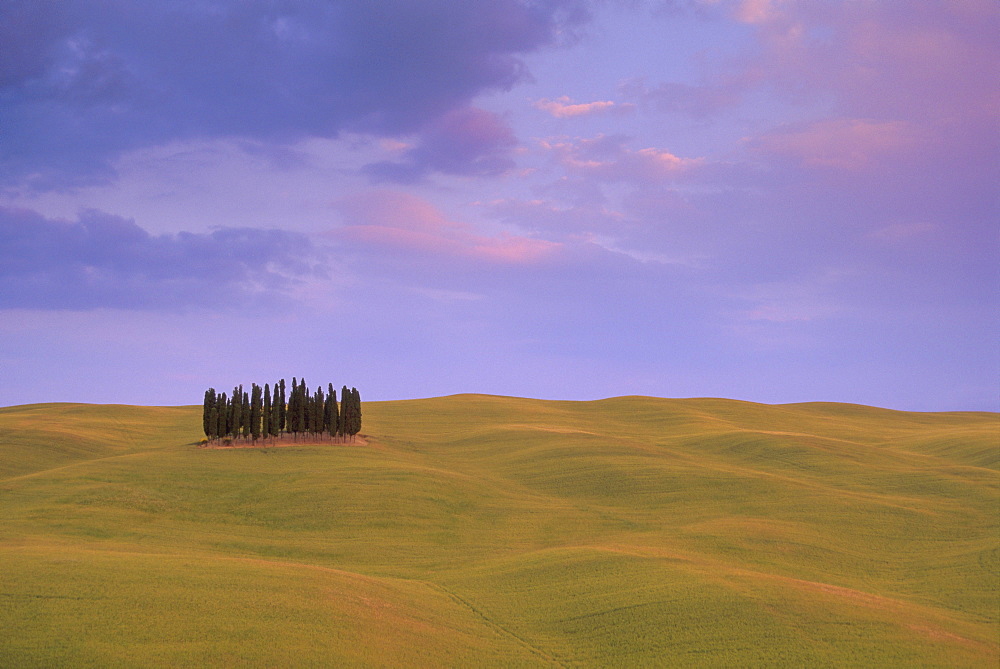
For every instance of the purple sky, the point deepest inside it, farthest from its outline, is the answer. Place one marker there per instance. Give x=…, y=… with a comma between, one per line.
x=768, y=200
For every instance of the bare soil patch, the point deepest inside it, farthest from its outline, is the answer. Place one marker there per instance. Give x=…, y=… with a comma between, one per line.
x=285, y=442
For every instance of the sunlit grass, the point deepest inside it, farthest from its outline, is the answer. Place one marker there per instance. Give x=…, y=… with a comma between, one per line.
x=501, y=531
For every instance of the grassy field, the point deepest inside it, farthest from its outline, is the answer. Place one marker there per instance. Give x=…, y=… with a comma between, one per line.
x=490, y=531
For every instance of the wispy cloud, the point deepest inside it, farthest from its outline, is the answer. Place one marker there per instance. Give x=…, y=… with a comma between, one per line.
x=608, y=158
x=844, y=143
x=407, y=223
x=564, y=107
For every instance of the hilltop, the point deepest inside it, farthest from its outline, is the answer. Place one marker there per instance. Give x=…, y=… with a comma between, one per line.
x=503, y=531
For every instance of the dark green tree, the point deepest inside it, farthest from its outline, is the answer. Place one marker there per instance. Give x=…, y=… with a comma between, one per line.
x=282, y=408
x=236, y=421
x=255, y=412
x=332, y=418
x=245, y=426
x=265, y=416
x=235, y=412
x=207, y=423
x=305, y=406
x=317, y=411
x=293, y=411
x=346, y=412
x=277, y=411
x=213, y=423
x=355, y=411
x=222, y=406
x=302, y=407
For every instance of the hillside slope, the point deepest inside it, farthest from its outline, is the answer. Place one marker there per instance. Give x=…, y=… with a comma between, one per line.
x=505, y=532
x=39, y=437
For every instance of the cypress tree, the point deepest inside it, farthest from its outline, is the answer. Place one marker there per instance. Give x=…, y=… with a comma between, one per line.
x=222, y=427
x=282, y=407
x=255, y=412
x=293, y=399
x=302, y=407
x=213, y=423
x=305, y=409
x=355, y=412
x=345, y=412
x=207, y=423
x=265, y=428
x=246, y=415
x=332, y=415
x=235, y=412
x=293, y=411
x=231, y=413
x=326, y=413
x=318, y=410
x=236, y=421
x=275, y=411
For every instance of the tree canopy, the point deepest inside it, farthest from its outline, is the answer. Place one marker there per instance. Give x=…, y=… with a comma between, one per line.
x=260, y=413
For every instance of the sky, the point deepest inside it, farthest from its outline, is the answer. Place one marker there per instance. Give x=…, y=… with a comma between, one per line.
x=767, y=200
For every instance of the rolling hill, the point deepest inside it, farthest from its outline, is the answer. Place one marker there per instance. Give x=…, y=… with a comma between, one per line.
x=493, y=531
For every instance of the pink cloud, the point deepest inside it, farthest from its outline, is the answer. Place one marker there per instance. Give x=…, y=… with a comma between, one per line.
x=564, y=107
x=928, y=61
x=409, y=223
x=607, y=158
x=756, y=11
x=509, y=248
x=850, y=144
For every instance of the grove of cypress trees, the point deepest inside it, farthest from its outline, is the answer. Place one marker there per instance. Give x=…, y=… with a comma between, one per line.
x=265, y=412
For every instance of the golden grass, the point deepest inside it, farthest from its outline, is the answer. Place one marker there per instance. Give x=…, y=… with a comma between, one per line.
x=490, y=531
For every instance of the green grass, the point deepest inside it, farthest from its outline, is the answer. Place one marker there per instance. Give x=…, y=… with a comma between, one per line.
x=491, y=531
